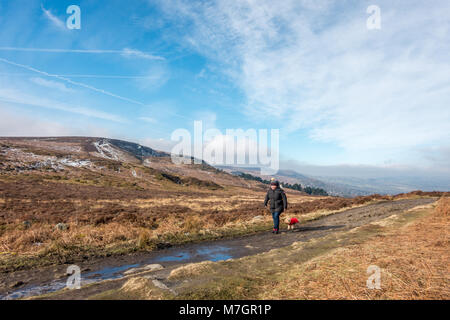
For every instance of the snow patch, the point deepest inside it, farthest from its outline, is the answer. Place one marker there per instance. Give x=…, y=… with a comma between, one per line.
x=75, y=163
x=106, y=150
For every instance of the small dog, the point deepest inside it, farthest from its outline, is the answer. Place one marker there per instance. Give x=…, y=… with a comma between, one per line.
x=291, y=222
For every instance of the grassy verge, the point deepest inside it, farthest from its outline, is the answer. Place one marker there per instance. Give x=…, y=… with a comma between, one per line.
x=411, y=251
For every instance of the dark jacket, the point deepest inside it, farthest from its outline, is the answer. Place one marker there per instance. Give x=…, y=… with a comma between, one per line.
x=278, y=200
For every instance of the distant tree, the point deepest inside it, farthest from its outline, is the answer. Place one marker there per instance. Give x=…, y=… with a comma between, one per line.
x=295, y=186
x=315, y=191
x=248, y=176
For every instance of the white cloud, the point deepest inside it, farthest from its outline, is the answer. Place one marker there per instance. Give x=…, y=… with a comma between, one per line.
x=436, y=156
x=148, y=119
x=313, y=65
x=52, y=84
x=245, y=149
x=365, y=171
x=75, y=83
x=208, y=119
x=158, y=144
x=14, y=125
x=14, y=96
x=155, y=77
x=52, y=18
x=127, y=52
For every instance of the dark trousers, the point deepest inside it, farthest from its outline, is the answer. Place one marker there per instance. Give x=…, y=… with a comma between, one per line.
x=276, y=220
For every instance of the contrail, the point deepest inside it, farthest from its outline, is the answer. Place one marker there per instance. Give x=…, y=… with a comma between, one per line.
x=125, y=52
x=80, y=84
x=99, y=76
x=58, y=50
x=76, y=83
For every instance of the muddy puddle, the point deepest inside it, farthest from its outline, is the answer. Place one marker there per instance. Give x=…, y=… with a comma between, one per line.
x=168, y=257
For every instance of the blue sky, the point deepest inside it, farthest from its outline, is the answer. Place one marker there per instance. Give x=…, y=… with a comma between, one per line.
x=339, y=93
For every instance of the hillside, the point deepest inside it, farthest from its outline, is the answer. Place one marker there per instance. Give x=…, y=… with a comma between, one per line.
x=107, y=196
x=83, y=200
x=131, y=162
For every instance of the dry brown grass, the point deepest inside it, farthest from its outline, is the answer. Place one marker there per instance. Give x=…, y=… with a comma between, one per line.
x=137, y=287
x=443, y=206
x=41, y=236
x=101, y=218
x=141, y=222
x=414, y=264
x=191, y=269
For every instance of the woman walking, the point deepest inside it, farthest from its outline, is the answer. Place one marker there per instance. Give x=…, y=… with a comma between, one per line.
x=278, y=203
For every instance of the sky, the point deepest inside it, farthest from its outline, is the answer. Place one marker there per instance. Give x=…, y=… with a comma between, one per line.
x=347, y=99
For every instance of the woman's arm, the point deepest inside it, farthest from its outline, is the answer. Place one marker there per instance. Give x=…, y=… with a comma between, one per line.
x=266, y=199
x=284, y=199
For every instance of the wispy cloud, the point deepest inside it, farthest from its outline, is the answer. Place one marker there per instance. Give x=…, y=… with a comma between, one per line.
x=126, y=52
x=76, y=83
x=16, y=124
x=52, y=84
x=158, y=144
x=94, y=76
x=14, y=96
x=157, y=76
x=208, y=118
x=148, y=119
x=52, y=18
x=86, y=86
x=314, y=66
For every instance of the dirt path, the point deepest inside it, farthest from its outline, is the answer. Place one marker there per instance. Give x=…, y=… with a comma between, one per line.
x=35, y=282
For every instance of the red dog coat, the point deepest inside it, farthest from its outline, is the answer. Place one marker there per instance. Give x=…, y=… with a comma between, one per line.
x=293, y=221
